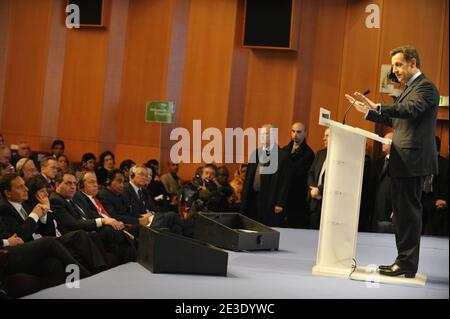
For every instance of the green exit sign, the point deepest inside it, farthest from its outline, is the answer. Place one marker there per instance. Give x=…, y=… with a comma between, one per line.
x=159, y=112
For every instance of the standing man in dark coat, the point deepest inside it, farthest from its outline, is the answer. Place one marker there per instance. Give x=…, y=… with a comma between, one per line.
x=302, y=157
x=413, y=152
x=267, y=181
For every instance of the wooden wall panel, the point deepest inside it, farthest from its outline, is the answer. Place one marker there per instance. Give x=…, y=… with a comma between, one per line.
x=271, y=90
x=305, y=55
x=208, y=67
x=54, y=76
x=327, y=60
x=417, y=23
x=5, y=24
x=82, y=90
x=25, y=74
x=145, y=73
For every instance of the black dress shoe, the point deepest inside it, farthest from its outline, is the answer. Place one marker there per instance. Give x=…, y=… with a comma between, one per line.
x=396, y=270
x=385, y=267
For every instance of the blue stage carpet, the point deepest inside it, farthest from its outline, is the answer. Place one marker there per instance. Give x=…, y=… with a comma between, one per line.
x=283, y=274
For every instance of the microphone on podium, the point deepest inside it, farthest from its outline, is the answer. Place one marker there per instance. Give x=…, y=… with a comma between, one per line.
x=348, y=109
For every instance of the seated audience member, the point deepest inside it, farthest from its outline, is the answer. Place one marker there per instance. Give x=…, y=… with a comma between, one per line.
x=70, y=216
x=45, y=258
x=88, y=161
x=141, y=204
x=238, y=181
x=49, y=168
x=5, y=154
x=26, y=168
x=225, y=197
x=6, y=169
x=136, y=194
x=207, y=184
x=157, y=190
x=23, y=151
x=125, y=168
x=115, y=203
x=171, y=181
x=57, y=148
x=63, y=162
x=106, y=164
x=31, y=222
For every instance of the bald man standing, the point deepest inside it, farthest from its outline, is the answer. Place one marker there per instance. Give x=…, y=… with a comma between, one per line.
x=302, y=156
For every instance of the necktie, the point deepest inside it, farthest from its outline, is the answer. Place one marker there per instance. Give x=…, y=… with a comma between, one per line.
x=140, y=195
x=101, y=210
x=23, y=213
x=78, y=210
x=257, y=180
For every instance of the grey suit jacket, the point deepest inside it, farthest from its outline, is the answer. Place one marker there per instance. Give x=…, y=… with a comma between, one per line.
x=413, y=117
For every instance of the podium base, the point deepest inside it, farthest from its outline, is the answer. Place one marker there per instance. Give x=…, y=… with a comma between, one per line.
x=368, y=274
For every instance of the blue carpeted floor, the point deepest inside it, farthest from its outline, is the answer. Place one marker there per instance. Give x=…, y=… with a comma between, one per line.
x=282, y=274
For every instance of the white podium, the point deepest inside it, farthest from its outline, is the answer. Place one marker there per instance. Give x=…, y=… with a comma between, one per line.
x=340, y=206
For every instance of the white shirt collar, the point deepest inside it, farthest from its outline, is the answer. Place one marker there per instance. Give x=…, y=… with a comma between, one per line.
x=136, y=189
x=415, y=76
x=89, y=196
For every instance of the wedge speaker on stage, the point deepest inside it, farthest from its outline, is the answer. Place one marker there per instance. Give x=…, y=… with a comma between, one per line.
x=235, y=231
x=161, y=251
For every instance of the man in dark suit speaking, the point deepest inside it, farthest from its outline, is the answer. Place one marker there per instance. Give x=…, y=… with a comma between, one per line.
x=413, y=152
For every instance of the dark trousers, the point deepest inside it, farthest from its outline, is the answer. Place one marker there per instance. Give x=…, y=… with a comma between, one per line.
x=81, y=246
x=117, y=243
x=45, y=258
x=314, y=219
x=407, y=207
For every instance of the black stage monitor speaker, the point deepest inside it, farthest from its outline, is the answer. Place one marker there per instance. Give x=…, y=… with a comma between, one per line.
x=90, y=12
x=235, y=231
x=161, y=251
x=269, y=23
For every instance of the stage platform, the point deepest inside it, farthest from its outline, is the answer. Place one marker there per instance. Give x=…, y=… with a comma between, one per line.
x=283, y=274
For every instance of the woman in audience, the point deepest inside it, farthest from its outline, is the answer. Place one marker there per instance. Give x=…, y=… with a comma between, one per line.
x=63, y=162
x=107, y=162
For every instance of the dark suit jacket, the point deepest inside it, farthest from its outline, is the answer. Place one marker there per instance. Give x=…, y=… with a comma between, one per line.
x=24, y=228
x=68, y=219
x=117, y=206
x=273, y=192
x=413, y=117
x=86, y=205
x=137, y=208
x=313, y=178
x=301, y=163
x=4, y=233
